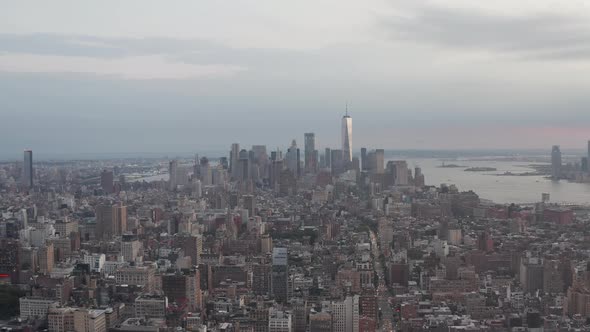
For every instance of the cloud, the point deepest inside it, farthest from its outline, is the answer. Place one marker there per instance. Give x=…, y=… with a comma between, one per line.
x=126, y=58
x=70, y=45
x=543, y=36
x=127, y=67
x=167, y=56
x=47, y=53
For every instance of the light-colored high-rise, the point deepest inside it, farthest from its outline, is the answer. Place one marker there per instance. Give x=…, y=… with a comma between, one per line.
x=375, y=161
x=345, y=315
x=130, y=248
x=400, y=171
x=95, y=261
x=46, y=258
x=119, y=221
x=347, y=138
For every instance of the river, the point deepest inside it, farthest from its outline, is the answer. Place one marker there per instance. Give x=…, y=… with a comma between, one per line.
x=501, y=189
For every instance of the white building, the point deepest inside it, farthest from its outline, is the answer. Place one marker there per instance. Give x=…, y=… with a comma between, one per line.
x=401, y=172
x=279, y=321
x=38, y=236
x=352, y=313
x=345, y=315
x=110, y=267
x=441, y=248
x=130, y=250
x=96, y=262
x=31, y=307
x=347, y=138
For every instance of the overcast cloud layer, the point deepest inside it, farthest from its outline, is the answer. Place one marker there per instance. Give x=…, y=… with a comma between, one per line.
x=156, y=76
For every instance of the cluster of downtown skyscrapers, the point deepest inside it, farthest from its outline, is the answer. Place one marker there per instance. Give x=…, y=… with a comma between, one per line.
x=278, y=171
x=253, y=164
x=579, y=172
x=281, y=171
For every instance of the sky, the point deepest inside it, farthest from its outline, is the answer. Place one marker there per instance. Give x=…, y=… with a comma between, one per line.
x=181, y=76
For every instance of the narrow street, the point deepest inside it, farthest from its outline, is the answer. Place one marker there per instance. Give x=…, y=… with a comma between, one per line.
x=383, y=293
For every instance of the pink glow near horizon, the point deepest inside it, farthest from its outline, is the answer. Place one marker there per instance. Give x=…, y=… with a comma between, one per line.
x=475, y=137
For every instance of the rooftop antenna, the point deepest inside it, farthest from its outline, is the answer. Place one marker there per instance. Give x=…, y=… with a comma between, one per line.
x=346, y=108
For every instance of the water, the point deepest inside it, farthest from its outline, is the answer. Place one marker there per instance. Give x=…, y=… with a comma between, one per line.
x=502, y=189
x=152, y=178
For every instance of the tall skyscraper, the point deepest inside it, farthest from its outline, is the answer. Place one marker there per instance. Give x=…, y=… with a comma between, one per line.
x=28, y=171
x=316, y=159
x=293, y=159
x=243, y=166
x=400, y=172
x=555, y=162
x=233, y=159
x=250, y=204
x=380, y=160
x=328, y=156
x=280, y=275
x=364, y=162
x=104, y=217
x=347, y=138
x=206, y=172
x=310, y=155
x=345, y=314
x=111, y=220
x=119, y=221
x=183, y=286
x=261, y=279
x=259, y=152
x=275, y=173
x=173, y=174
x=418, y=177
x=337, y=161
x=259, y=162
x=130, y=247
x=375, y=161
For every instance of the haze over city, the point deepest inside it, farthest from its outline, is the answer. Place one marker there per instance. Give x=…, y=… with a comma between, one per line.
x=295, y=166
x=156, y=77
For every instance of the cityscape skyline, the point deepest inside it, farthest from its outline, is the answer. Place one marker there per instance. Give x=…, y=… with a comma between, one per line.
x=345, y=138
x=271, y=208
x=192, y=166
